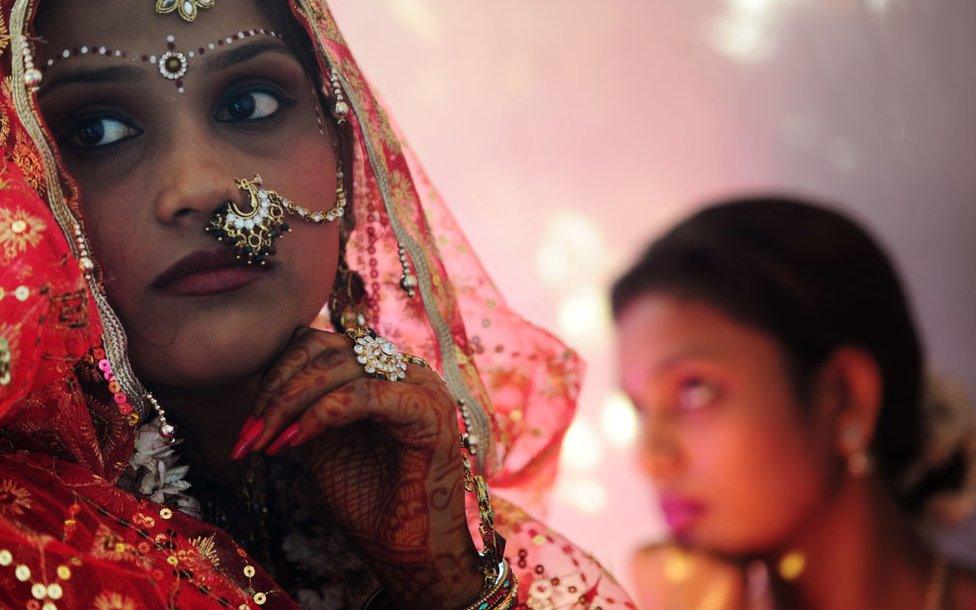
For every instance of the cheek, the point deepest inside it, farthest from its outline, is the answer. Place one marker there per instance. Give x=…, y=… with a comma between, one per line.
x=762, y=476
x=313, y=257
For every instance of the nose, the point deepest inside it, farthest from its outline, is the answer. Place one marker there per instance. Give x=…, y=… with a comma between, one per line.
x=194, y=178
x=661, y=455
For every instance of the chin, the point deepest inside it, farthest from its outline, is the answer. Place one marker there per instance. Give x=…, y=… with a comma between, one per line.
x=207, y=359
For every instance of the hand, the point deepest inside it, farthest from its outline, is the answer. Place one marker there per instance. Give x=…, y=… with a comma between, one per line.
x=386, y=457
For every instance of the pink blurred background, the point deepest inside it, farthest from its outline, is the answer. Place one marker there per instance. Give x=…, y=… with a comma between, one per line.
x=566, y=133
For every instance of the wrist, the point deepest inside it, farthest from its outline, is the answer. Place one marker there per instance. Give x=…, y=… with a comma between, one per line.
x=495, y=589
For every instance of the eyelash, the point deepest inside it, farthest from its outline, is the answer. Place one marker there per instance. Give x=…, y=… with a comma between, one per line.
x=283, y=102
x=706, y=393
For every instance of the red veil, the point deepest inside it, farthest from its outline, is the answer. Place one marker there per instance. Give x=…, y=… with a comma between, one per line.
x=71, y=538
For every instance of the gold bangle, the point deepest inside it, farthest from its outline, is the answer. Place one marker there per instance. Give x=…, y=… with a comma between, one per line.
x=500, y=591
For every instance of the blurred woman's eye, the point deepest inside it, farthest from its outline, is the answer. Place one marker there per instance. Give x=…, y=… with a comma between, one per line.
x=696, y=393
x=98, y=132
x=248, y=106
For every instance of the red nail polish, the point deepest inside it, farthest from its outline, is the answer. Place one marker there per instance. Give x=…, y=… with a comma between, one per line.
x=283, y=440
x=252, y=429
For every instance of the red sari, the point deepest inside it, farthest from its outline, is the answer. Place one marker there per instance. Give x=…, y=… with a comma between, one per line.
x=70, y=537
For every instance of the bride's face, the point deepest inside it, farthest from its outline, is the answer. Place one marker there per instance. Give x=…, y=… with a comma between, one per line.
x=153, y=164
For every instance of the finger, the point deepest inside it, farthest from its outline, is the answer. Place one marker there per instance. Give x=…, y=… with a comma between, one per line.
x=283, y=440
x=304, y=346
x=416, y=416
x=329, y=370
x=290, y=410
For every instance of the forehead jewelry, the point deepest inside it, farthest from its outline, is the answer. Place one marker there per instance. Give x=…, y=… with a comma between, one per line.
x=187, y=9
x=253, y=233
x=172, y=63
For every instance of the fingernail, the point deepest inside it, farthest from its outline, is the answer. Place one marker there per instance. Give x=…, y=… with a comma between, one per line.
x=253, y=427
x=283, y=439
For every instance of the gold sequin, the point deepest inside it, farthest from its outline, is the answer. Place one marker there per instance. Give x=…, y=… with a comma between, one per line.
x=21, y=293
x=64, y=572
x=54, y=591
x=539, y=539
x=22, y=573
x=166, y=513
x=260, y=598
x=792, y=565
x=49, y=606
x=249, y=571
x=39, y=591
x=5, y=557
x=172, y=560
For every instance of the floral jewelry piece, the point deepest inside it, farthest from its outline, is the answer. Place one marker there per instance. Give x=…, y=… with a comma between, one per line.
x=188, y=9
x=379, y=356
x=173, y=64
x=253, y=234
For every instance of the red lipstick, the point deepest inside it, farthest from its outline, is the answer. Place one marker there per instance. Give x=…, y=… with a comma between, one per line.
x=207, y=272
x=680, y=513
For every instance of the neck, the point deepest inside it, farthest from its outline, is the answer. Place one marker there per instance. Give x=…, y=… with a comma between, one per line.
x=862, y=552
x=209, y=421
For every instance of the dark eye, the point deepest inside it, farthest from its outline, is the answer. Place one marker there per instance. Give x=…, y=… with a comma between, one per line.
x=97, y=132
x=696, y=393
x=248, y=106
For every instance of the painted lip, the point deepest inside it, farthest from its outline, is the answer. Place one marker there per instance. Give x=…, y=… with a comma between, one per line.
x=680, y=513
x=207, y=272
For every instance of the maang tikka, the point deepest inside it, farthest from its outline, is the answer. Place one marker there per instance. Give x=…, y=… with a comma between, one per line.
x=253, y=233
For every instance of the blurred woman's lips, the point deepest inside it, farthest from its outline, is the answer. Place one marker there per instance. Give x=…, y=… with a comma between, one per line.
x=204, y=273
x=680, y=513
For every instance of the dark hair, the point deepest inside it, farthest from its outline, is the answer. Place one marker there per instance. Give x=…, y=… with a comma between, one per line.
x=815, y=281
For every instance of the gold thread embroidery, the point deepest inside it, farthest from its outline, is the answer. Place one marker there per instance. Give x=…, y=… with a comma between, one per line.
x=110, y=600
x=14, y=499
x=18, y=232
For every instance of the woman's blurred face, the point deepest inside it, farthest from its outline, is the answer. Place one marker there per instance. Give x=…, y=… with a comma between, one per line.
x=738, y=461
x=153, y=164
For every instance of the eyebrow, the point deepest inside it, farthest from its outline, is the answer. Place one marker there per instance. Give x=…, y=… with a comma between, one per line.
x=109, y=74
x=244, y=52
x=692, y=353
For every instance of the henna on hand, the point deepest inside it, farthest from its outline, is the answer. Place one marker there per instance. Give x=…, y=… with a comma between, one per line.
x=386, y=458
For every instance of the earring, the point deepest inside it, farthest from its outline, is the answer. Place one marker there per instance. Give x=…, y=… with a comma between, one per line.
x=347, y=303
x=858, y=460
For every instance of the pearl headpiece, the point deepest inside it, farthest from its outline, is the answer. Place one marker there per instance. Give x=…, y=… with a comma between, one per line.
x=172, y=63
